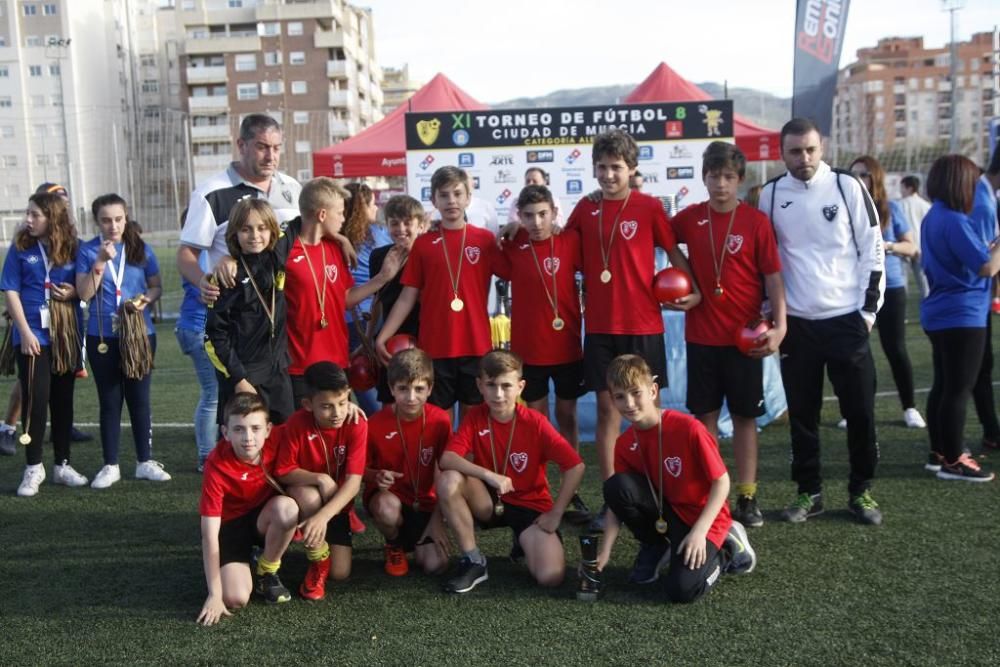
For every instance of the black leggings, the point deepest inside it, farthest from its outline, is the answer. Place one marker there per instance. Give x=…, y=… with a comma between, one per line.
x=892, y=334
x=52, y=394
x=958, y=355
x=982, y=392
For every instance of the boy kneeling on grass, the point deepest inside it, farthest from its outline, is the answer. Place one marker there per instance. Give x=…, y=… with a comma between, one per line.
x=669, y=487
x=242, y=507
x=405, y=441
x=493, y=474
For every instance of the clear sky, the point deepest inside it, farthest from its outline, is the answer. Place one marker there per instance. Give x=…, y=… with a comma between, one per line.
x=501, y=49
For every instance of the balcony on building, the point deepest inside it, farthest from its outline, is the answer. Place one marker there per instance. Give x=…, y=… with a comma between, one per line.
x=203, y=74
x=211, y=133
x=208, y=104
x=211, y=163
x=341, y=98
x=337, y=69
x=342, y=128
x=234, y=42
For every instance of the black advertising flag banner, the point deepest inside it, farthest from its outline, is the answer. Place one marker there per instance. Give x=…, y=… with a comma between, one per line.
x=819, y=37
x=557, y=126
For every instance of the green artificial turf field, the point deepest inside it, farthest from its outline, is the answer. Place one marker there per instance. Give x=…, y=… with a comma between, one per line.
x=115, y=577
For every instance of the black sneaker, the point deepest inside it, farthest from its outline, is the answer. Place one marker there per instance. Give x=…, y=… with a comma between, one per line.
x=578, y=513
x=76, y=435
x=804, y=506
x=933, y=462
x=648, y=563
x=747, y=512
x=7, y=446
x=865, y=509
x=466, y=576
x=270, y=588
x=742, y=557
x=965, y=469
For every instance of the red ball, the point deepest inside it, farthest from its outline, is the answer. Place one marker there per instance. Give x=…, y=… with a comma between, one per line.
x=361, y=372
x=746, y=338
x=400, y=342
x=671, y=284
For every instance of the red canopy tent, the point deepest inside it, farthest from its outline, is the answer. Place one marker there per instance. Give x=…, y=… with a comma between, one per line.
x=380, y=150
x=665, y=85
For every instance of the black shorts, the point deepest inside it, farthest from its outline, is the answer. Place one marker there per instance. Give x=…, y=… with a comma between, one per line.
x=600, y=349
x=275, y=389
x=567, y=379
x=338, y=530
x=518, y=519
x=455, y=380
x=414, y=524
x=717, y=372
x=238, y=537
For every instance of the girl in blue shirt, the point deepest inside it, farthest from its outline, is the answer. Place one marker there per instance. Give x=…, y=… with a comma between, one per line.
x=37, y=270
x=360, y=228
x=891, y=319
x=117, y=270
x=959, y=264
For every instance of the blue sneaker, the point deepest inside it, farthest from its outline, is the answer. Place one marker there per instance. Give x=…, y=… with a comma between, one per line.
x=648, y=563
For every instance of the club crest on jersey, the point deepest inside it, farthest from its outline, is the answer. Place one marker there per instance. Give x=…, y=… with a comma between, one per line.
x=673, y=465
x=426, y=456
x=32, y=259
x=733, y=243
x=390, y=435
x=472, y=254
x=331, y=272
x=519, y=460
x=830, y=212
x=551, y=265
x=629, y=228
x=244, y=477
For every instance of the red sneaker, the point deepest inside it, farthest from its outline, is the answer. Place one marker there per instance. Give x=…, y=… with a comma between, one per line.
x=357, y=525
x=314, y=585
x=995, y=306
x=395, y=561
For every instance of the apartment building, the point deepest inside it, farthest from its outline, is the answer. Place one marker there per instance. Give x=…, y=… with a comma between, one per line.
x=897, y=96
x=398, y=86
x=63, y=100
x=311, y=64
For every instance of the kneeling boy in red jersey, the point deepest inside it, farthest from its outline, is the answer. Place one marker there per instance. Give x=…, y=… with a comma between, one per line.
x=405, y=441
x=240, y=510
x=321, y=461
x=669, y=487
x=493, y=473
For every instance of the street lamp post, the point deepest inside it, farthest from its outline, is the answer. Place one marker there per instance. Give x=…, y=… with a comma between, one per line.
x=58, y=46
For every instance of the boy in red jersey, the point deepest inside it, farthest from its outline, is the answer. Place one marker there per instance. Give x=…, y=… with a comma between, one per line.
x=669, y=488
x=491, y=477
x=449, y=271
x=545, y=318
x=618, y=234
x=321, y=461
x=405, y=441
x=239, y=510
x=733, y=254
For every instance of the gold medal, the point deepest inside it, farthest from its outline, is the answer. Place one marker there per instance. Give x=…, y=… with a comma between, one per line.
x=661, y=526
x=558, y=324
x=102, y=348
x=457, y=304
x=323, y=323
x=719, y=291
x=605, y=276
x=25, y=439
x=498, y=509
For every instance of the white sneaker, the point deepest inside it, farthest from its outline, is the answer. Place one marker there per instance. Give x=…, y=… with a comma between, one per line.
x=913, y=419
x=842, y=424
x=107, y=476
x=151, y=470
x=64, y=474
x=33, y=478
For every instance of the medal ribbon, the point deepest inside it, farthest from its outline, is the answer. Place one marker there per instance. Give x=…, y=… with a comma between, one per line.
x=606, y=253
x=717, y=262
x=553, y=298
x=657, y=497
x=415, y=472
x=320, y=291
x=454, y=277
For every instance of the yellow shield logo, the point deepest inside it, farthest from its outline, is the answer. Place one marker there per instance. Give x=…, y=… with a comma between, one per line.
x=427, y=130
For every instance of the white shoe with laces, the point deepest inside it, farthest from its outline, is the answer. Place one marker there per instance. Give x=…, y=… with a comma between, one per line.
x=842, y=424
x=107, y=476
x=913, y=419
x=151, y=470
x=33, y=478
x=65, y=474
